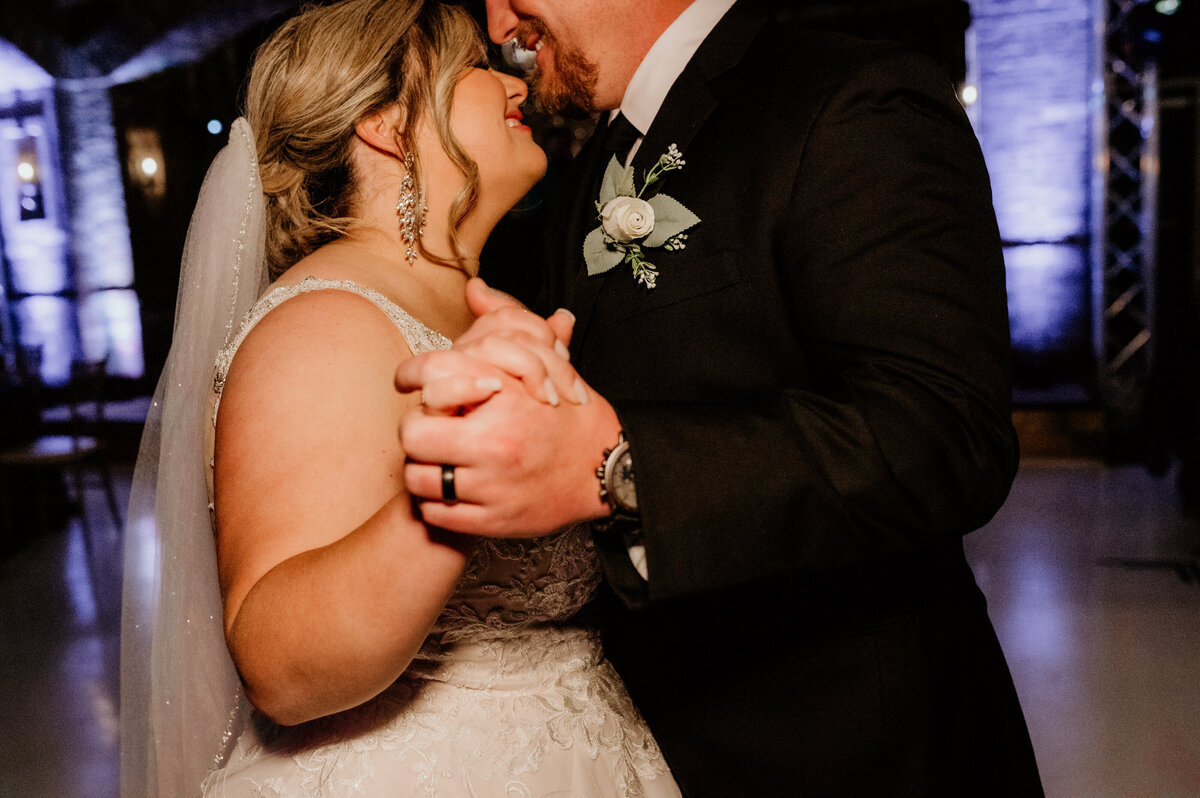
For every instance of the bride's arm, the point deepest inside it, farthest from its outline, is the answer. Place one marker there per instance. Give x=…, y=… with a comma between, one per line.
x=330, y=583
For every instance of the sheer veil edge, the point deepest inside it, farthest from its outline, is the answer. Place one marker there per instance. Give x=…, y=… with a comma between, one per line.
x=181, y=700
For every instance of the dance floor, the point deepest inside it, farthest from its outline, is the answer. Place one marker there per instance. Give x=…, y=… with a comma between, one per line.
x=1091, y=574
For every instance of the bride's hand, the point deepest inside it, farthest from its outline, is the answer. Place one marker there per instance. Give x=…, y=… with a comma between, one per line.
x=507, y=336
x=497, y=311
x=452, y=381
x=546, y=373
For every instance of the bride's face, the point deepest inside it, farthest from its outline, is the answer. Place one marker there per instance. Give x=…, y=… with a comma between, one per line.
x=486, y=120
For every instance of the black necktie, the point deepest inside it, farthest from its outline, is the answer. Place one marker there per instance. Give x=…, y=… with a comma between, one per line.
x=619, y=138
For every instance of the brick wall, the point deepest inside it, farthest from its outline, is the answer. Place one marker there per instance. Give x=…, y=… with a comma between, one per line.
x=1033, y=61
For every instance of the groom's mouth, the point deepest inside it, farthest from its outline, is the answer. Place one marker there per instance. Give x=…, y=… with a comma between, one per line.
x=532, y=46
x=522, y=57
x=532, y=36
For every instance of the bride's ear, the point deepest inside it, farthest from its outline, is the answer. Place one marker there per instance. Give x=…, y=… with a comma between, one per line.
x=381, y=131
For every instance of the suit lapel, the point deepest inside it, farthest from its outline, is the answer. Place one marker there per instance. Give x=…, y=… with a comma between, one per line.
x=688, y=104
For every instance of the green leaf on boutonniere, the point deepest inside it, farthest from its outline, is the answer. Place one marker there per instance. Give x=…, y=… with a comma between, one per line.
x=670, y=219
x=598, y=255
x=617, y=182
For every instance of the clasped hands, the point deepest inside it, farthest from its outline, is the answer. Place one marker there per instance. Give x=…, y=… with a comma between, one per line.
x=522, y=429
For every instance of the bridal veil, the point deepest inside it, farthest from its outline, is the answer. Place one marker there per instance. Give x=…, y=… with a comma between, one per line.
x=181, y=700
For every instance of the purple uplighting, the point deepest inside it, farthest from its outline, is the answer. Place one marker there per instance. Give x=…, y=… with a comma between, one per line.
x=65, y=232
x=1036, y=66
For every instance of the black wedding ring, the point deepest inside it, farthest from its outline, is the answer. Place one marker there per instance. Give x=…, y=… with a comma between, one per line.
x=448, y=494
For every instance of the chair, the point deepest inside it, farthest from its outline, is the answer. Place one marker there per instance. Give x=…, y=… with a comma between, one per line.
x=77, y=453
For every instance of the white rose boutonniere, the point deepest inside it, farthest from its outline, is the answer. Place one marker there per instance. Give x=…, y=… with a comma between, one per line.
x=631, y=223
x=627, y=218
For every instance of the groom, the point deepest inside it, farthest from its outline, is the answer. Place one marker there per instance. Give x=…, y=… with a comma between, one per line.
x=797, y=410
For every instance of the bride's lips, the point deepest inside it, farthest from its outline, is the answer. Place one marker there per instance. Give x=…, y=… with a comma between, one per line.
x=513, y=120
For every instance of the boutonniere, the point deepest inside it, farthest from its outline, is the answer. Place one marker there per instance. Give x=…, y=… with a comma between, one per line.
x=632, y=222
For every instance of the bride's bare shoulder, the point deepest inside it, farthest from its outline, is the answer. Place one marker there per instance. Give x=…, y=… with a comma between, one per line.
x=316, y=336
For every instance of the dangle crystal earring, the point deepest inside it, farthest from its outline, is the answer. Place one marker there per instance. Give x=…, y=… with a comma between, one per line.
x=406, y=209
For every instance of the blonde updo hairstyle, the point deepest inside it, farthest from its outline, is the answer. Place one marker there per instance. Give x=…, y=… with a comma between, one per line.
x=322, y=72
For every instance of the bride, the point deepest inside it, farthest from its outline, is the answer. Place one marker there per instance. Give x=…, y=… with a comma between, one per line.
x=330, y=643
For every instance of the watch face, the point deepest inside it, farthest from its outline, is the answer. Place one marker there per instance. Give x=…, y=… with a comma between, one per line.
x=623, y=486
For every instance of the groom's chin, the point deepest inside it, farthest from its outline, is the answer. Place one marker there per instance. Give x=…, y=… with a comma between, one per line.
x=550, y=97
x=568, y=87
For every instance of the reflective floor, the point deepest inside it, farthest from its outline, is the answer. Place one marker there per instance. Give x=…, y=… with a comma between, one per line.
x=1092, y=576
x=1093, y=582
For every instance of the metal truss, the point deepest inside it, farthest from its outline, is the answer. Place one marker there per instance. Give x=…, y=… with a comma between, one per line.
x=1124, y=223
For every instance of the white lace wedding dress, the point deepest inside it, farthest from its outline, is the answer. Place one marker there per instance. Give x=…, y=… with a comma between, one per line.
x=509, y=696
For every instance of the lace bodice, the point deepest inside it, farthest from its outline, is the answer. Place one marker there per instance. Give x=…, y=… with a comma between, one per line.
x=509, y=694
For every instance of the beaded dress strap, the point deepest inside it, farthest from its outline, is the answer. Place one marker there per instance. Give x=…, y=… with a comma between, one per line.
x=418, y=337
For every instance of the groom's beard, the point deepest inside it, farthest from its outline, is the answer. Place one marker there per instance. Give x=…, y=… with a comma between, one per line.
x=570, y=88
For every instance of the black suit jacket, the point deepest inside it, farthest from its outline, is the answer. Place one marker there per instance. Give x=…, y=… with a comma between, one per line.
x=817, y=399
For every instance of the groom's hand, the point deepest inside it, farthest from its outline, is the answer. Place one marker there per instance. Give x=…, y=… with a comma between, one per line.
x=524, y=462
x=522, y=467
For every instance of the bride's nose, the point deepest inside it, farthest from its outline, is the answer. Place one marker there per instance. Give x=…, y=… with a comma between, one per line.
x=516, y=88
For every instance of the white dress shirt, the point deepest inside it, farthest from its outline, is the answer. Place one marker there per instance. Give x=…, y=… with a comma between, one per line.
x=665, y=61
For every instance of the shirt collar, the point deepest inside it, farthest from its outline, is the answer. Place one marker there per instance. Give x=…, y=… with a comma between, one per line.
x=667, y=58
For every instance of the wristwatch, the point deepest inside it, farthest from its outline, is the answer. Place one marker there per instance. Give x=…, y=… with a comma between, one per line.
x=617, y=488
